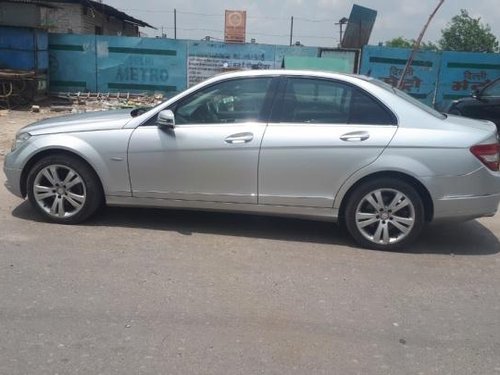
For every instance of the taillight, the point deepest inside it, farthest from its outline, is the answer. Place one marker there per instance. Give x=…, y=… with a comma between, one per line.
x=489, y=155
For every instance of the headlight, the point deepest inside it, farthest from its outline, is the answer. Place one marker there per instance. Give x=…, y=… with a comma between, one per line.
x=20, y=139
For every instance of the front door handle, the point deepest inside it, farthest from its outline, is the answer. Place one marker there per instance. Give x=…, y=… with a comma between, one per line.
x=355, y=136
x=239, y=138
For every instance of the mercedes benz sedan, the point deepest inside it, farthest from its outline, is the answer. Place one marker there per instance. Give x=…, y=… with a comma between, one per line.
x=293, y=143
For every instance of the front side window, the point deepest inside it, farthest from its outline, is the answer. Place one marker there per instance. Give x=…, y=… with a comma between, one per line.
x=232, y=101
x=308, y=100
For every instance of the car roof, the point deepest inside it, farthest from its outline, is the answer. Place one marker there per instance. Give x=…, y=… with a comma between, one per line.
x=289, y=72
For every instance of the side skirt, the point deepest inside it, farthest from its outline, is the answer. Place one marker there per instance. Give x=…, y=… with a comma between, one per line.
x=311, y=213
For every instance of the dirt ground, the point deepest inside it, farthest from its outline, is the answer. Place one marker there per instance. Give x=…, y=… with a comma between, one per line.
x=12, y=121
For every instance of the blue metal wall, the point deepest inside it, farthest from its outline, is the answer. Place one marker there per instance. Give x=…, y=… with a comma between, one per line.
x=387, y=64
x=23, y=48
x=110, y=64
x=461, y=73
x=140, y=64
x=73, y=63
x=436, y=78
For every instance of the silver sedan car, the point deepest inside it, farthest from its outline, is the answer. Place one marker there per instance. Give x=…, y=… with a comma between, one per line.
x=293, y=143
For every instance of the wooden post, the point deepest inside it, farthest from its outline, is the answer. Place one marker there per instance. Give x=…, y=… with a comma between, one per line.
x=416, y=46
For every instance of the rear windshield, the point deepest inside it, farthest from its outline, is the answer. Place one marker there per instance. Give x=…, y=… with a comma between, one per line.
x=405, y=96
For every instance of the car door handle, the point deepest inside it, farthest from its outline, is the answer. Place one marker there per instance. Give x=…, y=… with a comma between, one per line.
x=239, y=138
x=355, y=136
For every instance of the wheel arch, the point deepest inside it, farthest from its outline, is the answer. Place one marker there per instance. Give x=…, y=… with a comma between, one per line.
x=421, y=190
x=52, y=152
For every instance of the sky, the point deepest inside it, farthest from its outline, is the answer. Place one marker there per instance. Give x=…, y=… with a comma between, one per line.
x=268, y=21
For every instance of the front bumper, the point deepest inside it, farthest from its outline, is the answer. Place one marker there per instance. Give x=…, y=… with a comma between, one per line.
x=13, y=183
x=13, y=172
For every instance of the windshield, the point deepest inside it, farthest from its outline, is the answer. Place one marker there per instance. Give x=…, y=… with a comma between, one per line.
x=405, y=96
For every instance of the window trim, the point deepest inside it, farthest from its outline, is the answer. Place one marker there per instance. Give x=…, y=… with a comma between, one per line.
x=265, y=115
x=277, y=113
x=487, y=87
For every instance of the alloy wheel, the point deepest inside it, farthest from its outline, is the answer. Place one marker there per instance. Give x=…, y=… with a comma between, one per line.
x=385, y=216
x=60, y=191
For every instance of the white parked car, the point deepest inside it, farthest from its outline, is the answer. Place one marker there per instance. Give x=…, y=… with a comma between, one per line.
x=306, y=144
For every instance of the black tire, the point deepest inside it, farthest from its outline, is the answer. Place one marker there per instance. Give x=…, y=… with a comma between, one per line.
x=87, y=186
x=409, y=214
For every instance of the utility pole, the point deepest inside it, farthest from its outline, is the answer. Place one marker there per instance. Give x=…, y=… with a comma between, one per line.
x=343, y=21
x=416, y=46
x=291, y=31
x=175, y=23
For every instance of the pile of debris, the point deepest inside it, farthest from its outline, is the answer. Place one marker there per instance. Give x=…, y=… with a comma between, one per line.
x=91, y=102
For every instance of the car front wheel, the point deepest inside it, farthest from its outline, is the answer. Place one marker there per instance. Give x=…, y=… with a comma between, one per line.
x=64, y=189
x=385, y=214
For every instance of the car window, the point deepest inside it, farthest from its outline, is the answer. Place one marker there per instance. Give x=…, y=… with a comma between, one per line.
x=233, y=101
x=493, y=90
x=403, y=95
x=308, y=100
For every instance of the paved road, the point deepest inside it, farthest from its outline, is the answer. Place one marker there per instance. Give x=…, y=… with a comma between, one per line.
x=165, y=292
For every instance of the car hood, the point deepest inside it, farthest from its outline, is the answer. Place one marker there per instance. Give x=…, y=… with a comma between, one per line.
x=83, y=122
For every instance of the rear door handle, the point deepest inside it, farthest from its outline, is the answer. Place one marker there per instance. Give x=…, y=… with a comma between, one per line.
x=239, y=138
x=355, y=136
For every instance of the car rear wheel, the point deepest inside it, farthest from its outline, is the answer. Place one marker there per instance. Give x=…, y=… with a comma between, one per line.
x=64, y=189
x=385, y=214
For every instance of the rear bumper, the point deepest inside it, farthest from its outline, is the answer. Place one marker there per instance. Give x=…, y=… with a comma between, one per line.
x=465, y=197
x=465, y=207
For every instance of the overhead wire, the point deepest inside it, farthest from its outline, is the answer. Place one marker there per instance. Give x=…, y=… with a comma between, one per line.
x=221, y=16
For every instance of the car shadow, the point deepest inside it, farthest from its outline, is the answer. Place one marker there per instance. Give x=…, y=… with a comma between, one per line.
x=462, y=238
x=469, y=238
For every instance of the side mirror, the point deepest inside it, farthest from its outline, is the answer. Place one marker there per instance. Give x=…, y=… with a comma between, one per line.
x=166, y=119
x=476, y=94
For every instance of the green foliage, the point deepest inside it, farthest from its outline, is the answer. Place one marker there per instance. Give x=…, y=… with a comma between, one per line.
x=429, y=46
x=401, y=42
x=465, y=33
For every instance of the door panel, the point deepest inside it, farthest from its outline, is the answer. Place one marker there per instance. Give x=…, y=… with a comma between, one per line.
x=195, y=162
x=212, y=152
x=325, y=131
x=306, y=165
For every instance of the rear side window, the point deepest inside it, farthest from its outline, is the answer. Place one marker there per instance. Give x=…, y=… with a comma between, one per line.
x=309, y=100
x=366, y=110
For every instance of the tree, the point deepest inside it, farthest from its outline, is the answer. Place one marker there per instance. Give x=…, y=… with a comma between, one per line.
x=401, y=42
x=429, y=46
x=468, y=34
